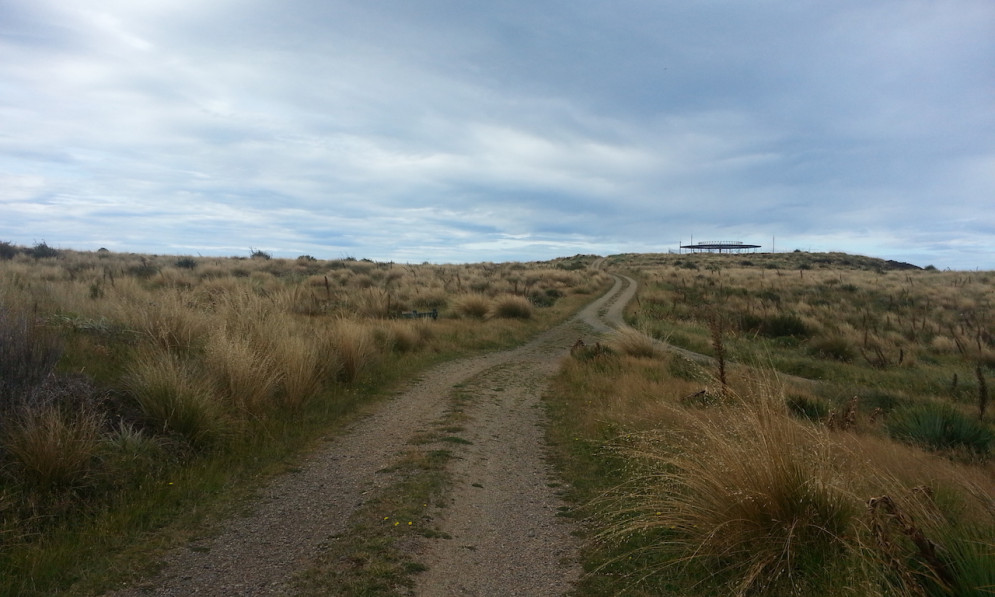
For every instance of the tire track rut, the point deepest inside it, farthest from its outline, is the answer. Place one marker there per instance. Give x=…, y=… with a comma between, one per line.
x=506, y=537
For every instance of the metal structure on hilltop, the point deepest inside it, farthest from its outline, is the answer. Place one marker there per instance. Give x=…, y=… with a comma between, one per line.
x=720, y=246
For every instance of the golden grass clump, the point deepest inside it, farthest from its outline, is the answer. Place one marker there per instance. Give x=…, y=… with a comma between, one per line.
x=52, y=446
x=472, y=306
x=511, y=307
x=634, y=343
x=403, y=336
x=303, y=364
x=165, y=321
x=356, y=347
x=174, y=398
x=244, y=373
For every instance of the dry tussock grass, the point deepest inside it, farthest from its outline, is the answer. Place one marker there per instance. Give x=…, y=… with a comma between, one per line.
x=473, y=306
x=511, y=307
x=199, y=352
x=304, y=363
x=174, y=398
x=634, y=343
x=243, y=373
x=355, y=346
x=53, y=447
x=738, y=492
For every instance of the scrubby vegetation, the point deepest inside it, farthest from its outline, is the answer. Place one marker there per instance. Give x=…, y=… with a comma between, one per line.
x=140, y=393
x=837, y=442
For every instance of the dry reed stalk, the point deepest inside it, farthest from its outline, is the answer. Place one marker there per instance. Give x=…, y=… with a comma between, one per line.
x=884, y=513
x=982, y=392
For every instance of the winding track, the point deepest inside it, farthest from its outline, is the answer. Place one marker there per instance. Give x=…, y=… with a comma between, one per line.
x=506, y=538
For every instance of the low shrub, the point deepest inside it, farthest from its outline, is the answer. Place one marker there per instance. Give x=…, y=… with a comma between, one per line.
x=782, y=325
x=130, y=455
x=43, y=251
x=833, y=347
x=144, y=270
x=684, y=368
x=940, y=426
x=8, y=250
x=186, y=263
x=807, y=407
x=28, y=354
x=546, y=298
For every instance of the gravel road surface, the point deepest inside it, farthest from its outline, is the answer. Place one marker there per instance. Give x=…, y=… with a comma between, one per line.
x=505, y=537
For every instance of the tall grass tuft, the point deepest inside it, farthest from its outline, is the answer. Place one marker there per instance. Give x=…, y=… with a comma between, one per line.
x=303, y=363
x=241, y=372
x=168, y=322
x=472, y=306
x=511, y=307
x=356, y=348
x=51, y=446
x=173, y=398
x=634, y=343
x=758, y=499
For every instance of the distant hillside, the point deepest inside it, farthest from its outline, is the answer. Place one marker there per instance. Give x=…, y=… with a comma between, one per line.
x=797, y=260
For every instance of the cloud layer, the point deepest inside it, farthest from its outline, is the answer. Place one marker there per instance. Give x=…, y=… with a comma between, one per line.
x=452, y=131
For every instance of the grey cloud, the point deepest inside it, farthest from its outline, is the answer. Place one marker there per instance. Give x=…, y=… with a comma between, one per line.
x=443, y=130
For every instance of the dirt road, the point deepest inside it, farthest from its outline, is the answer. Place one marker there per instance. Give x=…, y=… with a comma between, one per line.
x=504, y=537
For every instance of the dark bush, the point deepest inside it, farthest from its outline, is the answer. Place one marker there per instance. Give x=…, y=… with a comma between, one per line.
x=886, y=401
x=545, y=299
x=939, y=426
x=784, y=325
x=8, y=250
x=42, y=251
x=28, y=355
x=834, y=347
x=186, y=263
x=807, y=407
x=145, y=270
x=750, y=322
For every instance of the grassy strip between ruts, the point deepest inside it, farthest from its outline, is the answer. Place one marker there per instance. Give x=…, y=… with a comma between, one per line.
x=375, y=557
x=371, y=557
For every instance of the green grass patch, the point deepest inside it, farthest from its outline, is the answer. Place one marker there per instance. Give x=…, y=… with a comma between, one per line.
x=941, y=427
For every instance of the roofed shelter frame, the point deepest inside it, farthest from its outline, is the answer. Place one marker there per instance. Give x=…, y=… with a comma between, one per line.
x=719, y=246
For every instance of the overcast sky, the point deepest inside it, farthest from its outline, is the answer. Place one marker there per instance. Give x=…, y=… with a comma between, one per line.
x=464, y=131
